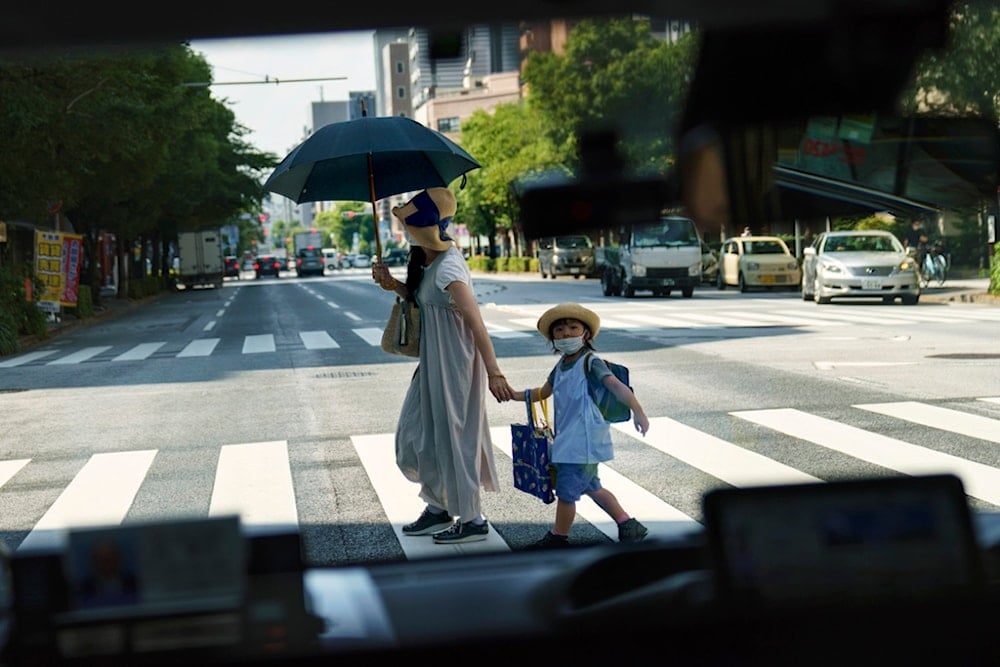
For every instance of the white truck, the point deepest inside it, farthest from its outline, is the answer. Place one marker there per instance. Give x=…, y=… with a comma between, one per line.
x=200, y=255
x=305, y=239
x=659, y=256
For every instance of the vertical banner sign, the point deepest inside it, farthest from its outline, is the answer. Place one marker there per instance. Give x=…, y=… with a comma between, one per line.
x=58, y=260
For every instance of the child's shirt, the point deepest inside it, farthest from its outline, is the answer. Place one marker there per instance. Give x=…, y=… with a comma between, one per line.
x=581, y=433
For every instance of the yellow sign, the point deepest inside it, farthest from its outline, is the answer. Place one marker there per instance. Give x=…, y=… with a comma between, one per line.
x=58, y=261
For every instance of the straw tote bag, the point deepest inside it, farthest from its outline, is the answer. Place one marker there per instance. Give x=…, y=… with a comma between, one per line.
x=402, y=332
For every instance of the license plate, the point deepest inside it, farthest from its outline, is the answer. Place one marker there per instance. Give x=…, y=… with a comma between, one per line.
x=871, y=283
x=667, y=281
x=767, y=280
x=574, y=270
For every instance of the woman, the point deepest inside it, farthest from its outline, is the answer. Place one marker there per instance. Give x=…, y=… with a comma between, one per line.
x=443, y=437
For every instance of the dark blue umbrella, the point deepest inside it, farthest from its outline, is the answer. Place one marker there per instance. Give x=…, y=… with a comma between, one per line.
x=369, y=158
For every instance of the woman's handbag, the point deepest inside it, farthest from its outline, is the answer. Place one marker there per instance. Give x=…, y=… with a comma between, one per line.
x=402, y=332
x=530, y=450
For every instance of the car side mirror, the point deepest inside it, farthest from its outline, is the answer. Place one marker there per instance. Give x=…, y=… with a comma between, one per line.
x=809, y=251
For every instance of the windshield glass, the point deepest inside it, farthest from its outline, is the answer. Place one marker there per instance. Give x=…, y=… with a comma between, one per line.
x=142, y=381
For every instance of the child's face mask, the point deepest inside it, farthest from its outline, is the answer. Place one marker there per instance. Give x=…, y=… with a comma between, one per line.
x=568, y=345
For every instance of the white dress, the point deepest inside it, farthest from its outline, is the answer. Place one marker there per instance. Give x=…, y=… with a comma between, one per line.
x=443, y=435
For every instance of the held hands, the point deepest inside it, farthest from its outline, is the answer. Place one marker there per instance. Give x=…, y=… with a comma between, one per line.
x=500, y=388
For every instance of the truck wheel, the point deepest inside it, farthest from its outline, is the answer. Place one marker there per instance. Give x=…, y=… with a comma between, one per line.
x=687, y=292
x=606, y=287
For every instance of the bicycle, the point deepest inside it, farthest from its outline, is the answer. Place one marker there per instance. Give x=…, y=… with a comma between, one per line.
x=935, y=267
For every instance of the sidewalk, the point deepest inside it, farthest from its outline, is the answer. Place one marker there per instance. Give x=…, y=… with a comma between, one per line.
x=966, y=290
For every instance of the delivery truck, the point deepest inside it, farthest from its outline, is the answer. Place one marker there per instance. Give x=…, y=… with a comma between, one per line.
x=200, y=255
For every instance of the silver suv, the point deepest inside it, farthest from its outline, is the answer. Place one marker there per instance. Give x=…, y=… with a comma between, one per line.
x=567, y=256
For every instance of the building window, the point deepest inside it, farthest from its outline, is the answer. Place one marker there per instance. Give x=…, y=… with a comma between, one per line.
x=448, y=124
x=399, y=67
x=401, y=92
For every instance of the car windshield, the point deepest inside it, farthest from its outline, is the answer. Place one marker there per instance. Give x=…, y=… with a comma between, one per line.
x=139, y=387
x=764, y=248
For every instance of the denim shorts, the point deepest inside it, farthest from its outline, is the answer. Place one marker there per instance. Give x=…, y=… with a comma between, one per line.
x=575, y=479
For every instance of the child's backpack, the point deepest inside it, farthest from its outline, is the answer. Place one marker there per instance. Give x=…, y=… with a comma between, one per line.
x=611, y=408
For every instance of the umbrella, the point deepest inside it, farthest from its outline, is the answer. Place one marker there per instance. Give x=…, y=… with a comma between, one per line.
x=371, y=158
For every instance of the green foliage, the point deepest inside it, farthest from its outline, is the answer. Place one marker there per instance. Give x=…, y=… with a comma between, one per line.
x=18, y=316
x=481, y=263
x=995, y=271
x=608, y=65
x=84, y=303
x=965, y=77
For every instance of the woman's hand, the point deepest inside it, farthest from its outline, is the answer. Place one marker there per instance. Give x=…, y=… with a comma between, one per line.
x=500, y=388
x=382, y=277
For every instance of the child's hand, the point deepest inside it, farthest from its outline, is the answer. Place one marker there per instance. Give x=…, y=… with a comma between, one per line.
x=641, y=421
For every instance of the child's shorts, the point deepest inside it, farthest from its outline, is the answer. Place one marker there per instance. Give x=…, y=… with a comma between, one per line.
x=575, y=479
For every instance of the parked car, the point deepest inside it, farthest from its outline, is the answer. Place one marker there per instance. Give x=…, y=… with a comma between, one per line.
x=396, y=257
x=268, y=265
x=309, y=262
x=331, y=259
x=757, y=261
x=231, y=267
x=859, y=264
x=361, y=261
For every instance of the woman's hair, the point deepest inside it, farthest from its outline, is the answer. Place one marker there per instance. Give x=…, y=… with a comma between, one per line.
x=586, y=343
x=414, y=271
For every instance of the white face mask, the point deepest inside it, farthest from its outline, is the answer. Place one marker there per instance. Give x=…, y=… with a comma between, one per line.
x=569, y=345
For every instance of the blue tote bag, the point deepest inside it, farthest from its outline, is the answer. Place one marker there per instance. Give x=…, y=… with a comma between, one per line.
x=530, y=450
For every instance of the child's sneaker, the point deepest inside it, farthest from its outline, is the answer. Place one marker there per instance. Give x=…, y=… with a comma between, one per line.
x=631, y=530
x=550, y=541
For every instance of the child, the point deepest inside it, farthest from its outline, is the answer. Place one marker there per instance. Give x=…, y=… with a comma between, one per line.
x=582, y=436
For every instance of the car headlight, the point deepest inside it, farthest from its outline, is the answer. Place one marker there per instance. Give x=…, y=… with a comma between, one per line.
x=831, y=267
x=639, y=271
x=907, y=265
x=792, y=266
x=694, y=270
x=753, y=266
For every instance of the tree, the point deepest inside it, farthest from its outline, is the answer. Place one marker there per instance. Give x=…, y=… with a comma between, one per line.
x=508, y=143
x=963, y=78
x=608, y=65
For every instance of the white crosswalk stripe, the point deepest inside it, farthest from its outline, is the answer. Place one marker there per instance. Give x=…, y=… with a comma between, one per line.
x=506, y=323
x=257, y=481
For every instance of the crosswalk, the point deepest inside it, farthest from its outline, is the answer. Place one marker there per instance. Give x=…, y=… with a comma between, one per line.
x=257, y=481
x=518, y=322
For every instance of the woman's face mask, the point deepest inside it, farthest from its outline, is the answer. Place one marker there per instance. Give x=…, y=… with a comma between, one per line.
x=568, y=345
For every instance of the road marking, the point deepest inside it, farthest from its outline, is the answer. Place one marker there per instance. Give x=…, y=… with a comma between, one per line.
x=202, y=347
x=25, y=358
x=10, y=468
x=981, y=481
x=830, y=365
x=371, y=336
x=401, y=503
x=142, y=351
x=728, y=462
x=254, y=480
x=81, y=355
x=945, y=419
x=258, y=343
x=317, y=340
x=100, y=494
x=209, y=326
x=663, y=519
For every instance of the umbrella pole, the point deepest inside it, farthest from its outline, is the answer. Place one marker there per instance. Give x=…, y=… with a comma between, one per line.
x=371, y=193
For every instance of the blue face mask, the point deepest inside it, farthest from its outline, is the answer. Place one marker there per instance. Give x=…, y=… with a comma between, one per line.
x=569, y=345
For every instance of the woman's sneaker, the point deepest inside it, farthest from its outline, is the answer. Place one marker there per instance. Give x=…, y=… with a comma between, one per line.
x=428, y=522
x=631, y=530
x=463, y=532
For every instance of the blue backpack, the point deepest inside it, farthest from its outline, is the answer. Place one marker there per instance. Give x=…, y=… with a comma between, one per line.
x=610, y=406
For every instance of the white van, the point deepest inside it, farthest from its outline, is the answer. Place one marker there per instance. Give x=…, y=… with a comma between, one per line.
x=331, y=259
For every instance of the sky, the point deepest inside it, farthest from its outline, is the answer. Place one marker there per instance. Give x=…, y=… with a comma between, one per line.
x=277, y=114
